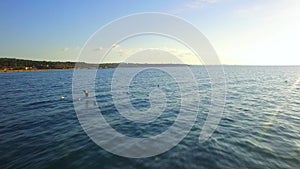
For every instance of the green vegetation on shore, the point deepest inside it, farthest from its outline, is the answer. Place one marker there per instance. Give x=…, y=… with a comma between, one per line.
x=20, y=64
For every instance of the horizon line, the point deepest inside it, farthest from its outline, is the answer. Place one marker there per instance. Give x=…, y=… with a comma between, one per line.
x=6, y=57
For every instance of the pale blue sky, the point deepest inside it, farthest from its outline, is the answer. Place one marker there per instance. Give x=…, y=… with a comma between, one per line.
x=261, y=32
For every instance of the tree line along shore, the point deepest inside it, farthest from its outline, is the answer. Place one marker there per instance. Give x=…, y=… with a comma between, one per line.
x=21, y=65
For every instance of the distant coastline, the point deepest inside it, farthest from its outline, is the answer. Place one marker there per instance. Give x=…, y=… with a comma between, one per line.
x=31, y=70
x=12, y=65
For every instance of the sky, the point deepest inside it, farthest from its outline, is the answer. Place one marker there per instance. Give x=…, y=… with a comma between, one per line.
x=248, y=32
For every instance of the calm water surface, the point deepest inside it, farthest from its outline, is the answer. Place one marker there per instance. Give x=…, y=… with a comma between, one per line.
x=260, y=127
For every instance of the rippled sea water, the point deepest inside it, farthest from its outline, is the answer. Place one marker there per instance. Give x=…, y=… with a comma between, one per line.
x=260, y=127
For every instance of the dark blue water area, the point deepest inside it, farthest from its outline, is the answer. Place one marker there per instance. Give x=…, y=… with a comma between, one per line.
x=139, y=91
x=260, y=127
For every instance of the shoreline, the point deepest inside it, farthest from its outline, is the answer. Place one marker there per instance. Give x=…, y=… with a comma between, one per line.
x=32, y=70
x=135, y=66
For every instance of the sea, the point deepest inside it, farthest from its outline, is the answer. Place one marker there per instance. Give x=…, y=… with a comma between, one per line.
x=259, y=128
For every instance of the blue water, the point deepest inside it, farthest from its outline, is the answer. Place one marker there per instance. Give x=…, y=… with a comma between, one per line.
x=260, y=127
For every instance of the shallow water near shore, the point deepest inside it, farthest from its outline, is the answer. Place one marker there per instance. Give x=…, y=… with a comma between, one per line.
x=260, y=127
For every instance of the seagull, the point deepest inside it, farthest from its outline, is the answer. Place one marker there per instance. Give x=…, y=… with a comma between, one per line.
x=86, y=93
